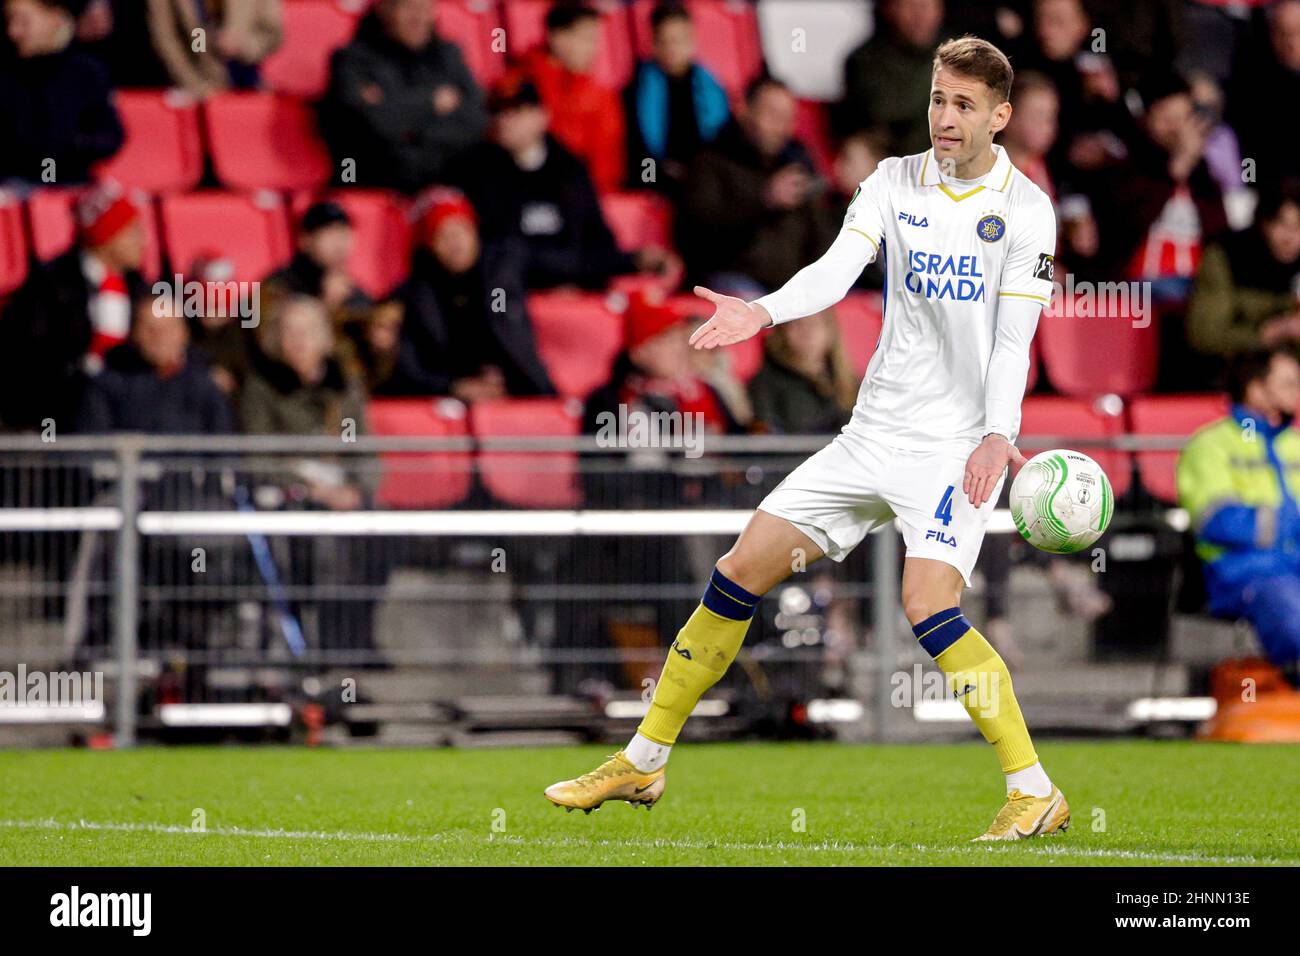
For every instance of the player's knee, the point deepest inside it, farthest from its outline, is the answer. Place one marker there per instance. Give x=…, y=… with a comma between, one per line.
x=920, y=604
x=736, y=568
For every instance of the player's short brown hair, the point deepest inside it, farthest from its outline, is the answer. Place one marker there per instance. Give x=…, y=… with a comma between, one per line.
x=979, y=59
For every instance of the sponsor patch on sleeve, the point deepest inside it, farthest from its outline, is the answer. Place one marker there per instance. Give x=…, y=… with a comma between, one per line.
x=1045, y=267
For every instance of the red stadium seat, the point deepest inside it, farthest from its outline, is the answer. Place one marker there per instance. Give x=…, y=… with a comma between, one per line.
x=1090, y=354
x=381, y=250
x=163, y=151
x=54, y=226
x=578, y=337
x=813, y=129
x=313, y=30
x=526, y=28
x=1169, y=415
x=529, y=479
x=251, y=231
x=421, y=479
x=265, y=141
x=1069, y=419
x=13, y=244
x=860, y=320
x=638, y=219
x=470, y=24
x=726, y=33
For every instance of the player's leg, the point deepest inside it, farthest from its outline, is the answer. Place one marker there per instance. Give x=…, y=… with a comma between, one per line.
x=979, y=678
x=943, y=532
x=764, y=555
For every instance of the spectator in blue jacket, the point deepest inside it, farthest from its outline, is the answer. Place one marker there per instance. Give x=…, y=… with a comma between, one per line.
x=675, y=106
x=1239, y=479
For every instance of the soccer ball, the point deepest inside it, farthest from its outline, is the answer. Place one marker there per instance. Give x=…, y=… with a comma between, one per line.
x=1061, y=501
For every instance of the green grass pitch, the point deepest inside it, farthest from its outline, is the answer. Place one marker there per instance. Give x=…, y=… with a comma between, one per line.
x=1143, y=803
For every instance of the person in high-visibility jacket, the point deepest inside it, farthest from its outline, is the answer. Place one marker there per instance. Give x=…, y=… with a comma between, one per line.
x=1239, y=479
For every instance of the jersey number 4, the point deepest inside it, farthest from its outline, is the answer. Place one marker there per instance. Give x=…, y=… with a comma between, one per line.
x=944, y=511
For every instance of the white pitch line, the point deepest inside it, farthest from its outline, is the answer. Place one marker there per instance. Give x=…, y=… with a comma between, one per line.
x=825, y=846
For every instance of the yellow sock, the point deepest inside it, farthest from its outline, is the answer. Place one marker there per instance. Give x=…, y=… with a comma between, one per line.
x=979, y=678
x=703, y=651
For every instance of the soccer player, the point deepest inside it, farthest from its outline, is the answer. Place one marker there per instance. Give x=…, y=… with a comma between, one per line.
x=968, y=243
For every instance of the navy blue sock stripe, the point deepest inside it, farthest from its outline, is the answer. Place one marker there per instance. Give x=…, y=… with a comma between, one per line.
x=938, y=632
x=728, y=599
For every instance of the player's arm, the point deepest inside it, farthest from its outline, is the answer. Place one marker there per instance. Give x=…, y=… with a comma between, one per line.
x=1025, y=288
x=814, y=287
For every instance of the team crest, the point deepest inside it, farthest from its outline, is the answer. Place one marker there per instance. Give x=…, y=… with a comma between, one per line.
x=991, y=228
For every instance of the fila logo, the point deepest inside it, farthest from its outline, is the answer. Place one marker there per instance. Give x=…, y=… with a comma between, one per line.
x=911, y=220
x=941, y=537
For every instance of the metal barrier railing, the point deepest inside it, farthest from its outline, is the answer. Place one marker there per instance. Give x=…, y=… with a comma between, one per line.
x=97, y=534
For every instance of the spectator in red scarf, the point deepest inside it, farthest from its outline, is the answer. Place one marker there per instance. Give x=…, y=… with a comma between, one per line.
x=586, y=117
x=58, y=326
x=655, y=373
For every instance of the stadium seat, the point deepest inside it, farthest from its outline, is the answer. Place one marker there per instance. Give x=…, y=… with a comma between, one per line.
x=13, y=243
x=163, y=151
x=726, y=34
x=638, y=219
x=1086, y=354
x=251, y=231
x=381, y=251
x=860, y=320
x=470, y=24
x=54, y=227
x=1169, y=415
x=1063, y=421
x=745, y=357
x=813, y=129
x=526, y=28
x=265, y=141
x=438, y=479
x=578, y=337
x=529, y=479
x=313, y=30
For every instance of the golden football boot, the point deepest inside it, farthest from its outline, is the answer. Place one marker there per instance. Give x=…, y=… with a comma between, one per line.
x=1024, y=816
x=615, y=779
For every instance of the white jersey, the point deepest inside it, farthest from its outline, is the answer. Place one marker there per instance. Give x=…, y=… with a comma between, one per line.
x=968, y=270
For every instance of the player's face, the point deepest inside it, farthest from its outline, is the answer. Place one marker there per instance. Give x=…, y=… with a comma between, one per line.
x=964, y=117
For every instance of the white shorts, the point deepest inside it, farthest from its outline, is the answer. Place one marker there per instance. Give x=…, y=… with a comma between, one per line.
x=855, y=484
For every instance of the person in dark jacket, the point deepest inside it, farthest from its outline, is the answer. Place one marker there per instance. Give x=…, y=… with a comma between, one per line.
x=56, y=112
x=887, y=79
x=57, y=327
x=401, y=102
x=154, y=382
x=806, y=384
x=465, y=330
x=675, y=107
x=1247, y=291
x=526, y=186
x=750, y=215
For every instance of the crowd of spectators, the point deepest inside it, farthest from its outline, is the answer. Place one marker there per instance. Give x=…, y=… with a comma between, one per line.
x=1147, y=123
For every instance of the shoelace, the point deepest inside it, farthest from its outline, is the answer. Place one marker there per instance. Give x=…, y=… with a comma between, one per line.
x=607, y=769
x=1008, y=814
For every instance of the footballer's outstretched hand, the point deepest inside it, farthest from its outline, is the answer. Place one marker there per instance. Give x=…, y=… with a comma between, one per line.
x=734, y=320
x=985, y=466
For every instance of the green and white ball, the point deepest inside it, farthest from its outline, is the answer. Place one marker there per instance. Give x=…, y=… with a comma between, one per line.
x=1061, y=501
